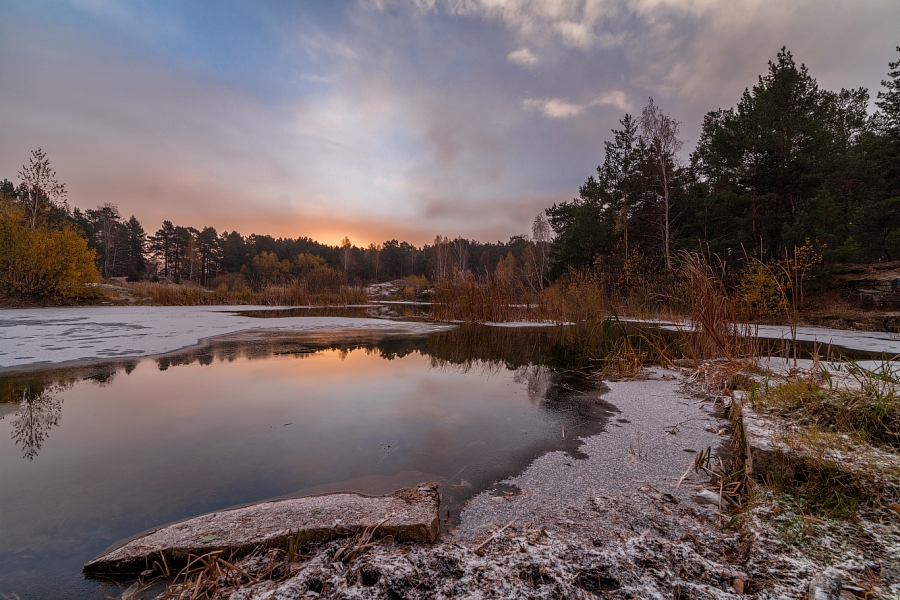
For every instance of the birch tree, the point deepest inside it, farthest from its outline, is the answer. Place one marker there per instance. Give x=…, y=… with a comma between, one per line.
x=659, y=133
x=346, y=254
x=540, y=237
x=442, y=252
x=39, y=191
x=461, y=251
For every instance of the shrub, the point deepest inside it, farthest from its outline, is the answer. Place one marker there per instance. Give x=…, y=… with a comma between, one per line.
x=42, y=261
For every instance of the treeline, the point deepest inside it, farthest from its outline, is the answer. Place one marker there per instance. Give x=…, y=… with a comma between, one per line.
x=791, y=166
x=123, y=248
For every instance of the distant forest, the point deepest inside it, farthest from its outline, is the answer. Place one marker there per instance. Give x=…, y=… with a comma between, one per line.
x=791, y=165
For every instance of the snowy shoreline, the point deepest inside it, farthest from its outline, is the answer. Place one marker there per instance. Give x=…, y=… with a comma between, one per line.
x=50, y=336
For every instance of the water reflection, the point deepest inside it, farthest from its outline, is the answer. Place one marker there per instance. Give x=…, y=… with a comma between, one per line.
x=544, y=359
x=34, y=406
x=259, y=416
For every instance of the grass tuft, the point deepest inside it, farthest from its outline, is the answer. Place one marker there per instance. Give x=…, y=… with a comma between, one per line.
x=867, y=408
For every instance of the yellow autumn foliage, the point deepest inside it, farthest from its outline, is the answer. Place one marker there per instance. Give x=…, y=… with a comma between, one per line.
x=42, y=261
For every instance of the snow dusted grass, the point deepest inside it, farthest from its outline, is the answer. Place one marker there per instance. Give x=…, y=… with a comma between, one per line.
x=867, y=406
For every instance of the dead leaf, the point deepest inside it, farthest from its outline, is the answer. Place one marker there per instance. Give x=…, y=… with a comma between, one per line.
x=815, y=520
x=738, y=585
x=896, y=507
x=809, y=532
x=131, y=591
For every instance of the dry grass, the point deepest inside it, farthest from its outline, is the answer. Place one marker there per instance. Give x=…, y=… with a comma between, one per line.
x=714, y=328
x=495, y=299
x=210, y=576
x=158, y=294
x=837, y=442
x=868, y=409
x=574, y=298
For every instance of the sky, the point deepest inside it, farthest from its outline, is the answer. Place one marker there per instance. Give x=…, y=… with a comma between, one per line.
x=383, y=119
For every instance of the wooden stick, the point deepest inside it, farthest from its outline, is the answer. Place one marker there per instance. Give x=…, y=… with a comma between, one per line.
x=477, y=549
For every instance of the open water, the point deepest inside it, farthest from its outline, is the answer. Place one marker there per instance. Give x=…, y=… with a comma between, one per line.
x=93, y=454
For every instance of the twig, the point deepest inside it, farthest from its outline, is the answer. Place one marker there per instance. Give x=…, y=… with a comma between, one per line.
x=691, y=466
x=477, y=549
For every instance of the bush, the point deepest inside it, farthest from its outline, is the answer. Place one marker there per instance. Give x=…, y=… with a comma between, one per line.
x=42, y=261
x=134, y=275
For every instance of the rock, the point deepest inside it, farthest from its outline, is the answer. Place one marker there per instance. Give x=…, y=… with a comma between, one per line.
x=763, y=452
x=711, y=497
x=826, y=585
x=406, y=515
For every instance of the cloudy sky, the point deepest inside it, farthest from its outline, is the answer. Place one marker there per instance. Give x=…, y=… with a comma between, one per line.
x=383, y=119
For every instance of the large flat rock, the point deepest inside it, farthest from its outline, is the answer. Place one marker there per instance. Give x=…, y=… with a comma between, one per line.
x=406, y=515
x=765, y=451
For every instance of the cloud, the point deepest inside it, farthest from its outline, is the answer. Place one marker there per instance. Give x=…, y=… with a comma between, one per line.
x=577, y=35
x=386, y=118
x=555, y=108
x=615, y=98
x=561, y=108
x=522, y=56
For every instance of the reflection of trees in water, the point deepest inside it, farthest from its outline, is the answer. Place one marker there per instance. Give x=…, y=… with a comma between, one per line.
x=537, y=381
x=38, y=405
x=551, y=362
x=38, y=410
x=37, y=414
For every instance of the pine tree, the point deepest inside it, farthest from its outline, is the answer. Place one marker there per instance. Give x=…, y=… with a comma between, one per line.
x=137, y=247
x=888, y=101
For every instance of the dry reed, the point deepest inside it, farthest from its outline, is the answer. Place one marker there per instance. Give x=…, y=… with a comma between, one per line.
x=296, y=294
x=713, y=328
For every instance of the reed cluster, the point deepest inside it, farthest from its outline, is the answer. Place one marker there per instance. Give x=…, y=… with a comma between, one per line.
x=294, y=294
x=494, y=298
x=711, y=318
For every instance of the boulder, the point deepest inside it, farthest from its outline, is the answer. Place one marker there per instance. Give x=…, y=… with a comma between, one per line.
x=406, y=515
x=764, y=451
x=825, y=585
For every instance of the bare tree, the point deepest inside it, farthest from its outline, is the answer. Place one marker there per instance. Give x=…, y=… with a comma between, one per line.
x=39, y=411
x=375, y=254
x=659, y=133
x=346, y=254
x=441, y=258
x=40, y=191
x=540, y=237
x=461, y=251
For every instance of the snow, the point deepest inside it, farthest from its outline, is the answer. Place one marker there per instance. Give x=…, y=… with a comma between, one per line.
x=523, y=324
x=867, y=341
x=56, y=335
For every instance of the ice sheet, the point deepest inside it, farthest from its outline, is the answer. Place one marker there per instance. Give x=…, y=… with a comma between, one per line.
x=54, y=335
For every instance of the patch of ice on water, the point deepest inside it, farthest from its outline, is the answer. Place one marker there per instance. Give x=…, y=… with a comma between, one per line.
x=55, y=335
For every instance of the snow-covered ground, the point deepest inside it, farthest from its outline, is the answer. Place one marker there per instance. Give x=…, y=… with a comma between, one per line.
x=55, y=335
